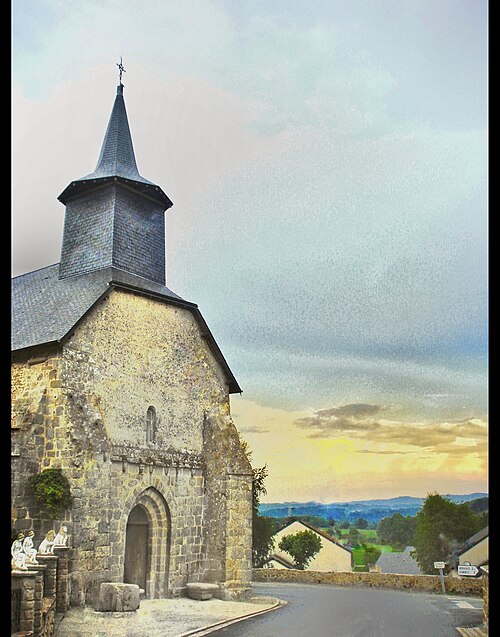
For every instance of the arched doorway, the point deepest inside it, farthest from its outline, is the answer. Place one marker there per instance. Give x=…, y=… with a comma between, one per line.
x=137, y=553
x=147, y=543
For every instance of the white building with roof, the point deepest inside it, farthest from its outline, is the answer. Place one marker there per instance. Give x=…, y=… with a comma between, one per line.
x=332, y=556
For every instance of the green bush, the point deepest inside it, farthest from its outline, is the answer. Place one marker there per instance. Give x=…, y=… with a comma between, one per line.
x=52, y=492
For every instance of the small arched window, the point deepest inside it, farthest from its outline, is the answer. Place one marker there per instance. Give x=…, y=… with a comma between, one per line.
x=151, y=424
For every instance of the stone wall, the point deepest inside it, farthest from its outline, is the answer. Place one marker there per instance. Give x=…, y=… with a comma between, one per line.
x=39, y=432
x=37, y=594
x=430, y=583
x=228, y=510
x=486, y=595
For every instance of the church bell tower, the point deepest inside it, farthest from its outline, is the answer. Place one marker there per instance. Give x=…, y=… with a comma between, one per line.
x=114, y=216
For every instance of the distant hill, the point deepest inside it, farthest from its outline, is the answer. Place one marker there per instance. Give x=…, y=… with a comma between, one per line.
x=370, y=510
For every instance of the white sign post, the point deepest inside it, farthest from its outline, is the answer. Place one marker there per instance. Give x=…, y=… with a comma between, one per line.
x=440, y=566
x=469, y=570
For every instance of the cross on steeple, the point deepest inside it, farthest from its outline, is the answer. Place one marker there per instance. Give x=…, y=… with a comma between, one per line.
x=121, y=68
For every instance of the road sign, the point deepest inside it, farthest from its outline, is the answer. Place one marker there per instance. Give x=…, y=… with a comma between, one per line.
x=469, y=570
x=439, y=565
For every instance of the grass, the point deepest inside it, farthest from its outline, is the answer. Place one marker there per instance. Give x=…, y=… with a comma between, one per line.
x=366, y=536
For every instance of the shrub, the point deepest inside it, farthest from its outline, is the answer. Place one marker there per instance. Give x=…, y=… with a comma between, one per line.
x=52, y=492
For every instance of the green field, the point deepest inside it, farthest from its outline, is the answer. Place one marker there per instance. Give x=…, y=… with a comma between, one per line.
x=366, y=536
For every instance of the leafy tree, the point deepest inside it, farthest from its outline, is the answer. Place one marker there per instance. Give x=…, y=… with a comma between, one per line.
x=314, y=520
x=263, y=527
x=441, y=526
x=361, y=523
x=372, y=553
x=302, y=546
x=344, y=525
x=479, y=505
x=397, y=530
x=353, y=536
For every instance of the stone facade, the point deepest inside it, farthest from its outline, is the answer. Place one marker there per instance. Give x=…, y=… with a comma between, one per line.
x=83, y=407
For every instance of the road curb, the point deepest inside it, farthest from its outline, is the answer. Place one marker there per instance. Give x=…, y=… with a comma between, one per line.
x=206, y=630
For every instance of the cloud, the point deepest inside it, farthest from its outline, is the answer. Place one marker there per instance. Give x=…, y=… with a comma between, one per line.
x=356, y=410
x=379, y=452
x=354, y=421
x=253, y=430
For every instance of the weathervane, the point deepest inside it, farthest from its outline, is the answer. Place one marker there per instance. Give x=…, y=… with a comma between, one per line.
x=121, y=68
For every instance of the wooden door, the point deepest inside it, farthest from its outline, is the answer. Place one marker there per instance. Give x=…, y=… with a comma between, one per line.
x=137, y=548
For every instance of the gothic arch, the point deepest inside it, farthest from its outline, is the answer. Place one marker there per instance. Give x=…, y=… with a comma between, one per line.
x=156, y=510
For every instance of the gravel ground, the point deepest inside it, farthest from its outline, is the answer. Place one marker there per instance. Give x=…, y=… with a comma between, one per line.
x=158, y=618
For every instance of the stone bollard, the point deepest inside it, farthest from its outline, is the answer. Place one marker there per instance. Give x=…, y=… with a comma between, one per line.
x=39, y=594
x=24, y=581
x=50, y=574
x=62, y=579
x=115, y=596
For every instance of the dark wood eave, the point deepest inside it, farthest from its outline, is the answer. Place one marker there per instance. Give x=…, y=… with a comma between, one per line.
x=77, y=188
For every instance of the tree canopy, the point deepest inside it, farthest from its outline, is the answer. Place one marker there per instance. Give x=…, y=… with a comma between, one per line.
x=302, y=546
x=397, y=530
x=361, y=523
x=263, y=527
x=441, y=526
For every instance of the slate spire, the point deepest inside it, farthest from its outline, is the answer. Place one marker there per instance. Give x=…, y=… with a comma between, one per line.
x=116, y=159
x=114, y=216
x=117, y=156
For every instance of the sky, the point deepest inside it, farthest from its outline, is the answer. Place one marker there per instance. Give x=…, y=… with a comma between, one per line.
x=328, y=167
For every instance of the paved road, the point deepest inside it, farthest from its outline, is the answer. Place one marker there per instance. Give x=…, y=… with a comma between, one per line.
x=331, y=611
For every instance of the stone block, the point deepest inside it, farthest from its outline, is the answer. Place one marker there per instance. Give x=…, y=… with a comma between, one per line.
x=201, y=590
x=114, y=596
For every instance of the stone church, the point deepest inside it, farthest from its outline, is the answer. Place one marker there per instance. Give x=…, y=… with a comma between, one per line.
x=118, y=381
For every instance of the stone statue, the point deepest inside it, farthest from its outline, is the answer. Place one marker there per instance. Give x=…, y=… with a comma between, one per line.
x=29, y=549
x=47, y=544
x=18, y=555
x=61, y=539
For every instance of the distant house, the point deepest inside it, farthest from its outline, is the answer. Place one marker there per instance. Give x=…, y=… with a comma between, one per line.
x=475, y=549
x=331, y=557
x=400, y=563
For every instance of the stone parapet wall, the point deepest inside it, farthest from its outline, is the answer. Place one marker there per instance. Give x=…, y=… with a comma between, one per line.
x=62, y=581
x=38, y=592
x=486, y=577
x=429, y=583
x=24, y=583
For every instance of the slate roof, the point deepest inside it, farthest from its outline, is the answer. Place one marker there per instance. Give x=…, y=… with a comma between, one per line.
x=116, y=159
x=399, y=563
x=45, y=308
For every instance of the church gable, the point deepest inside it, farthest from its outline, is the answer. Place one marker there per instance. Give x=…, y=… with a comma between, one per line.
x=135, y=352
